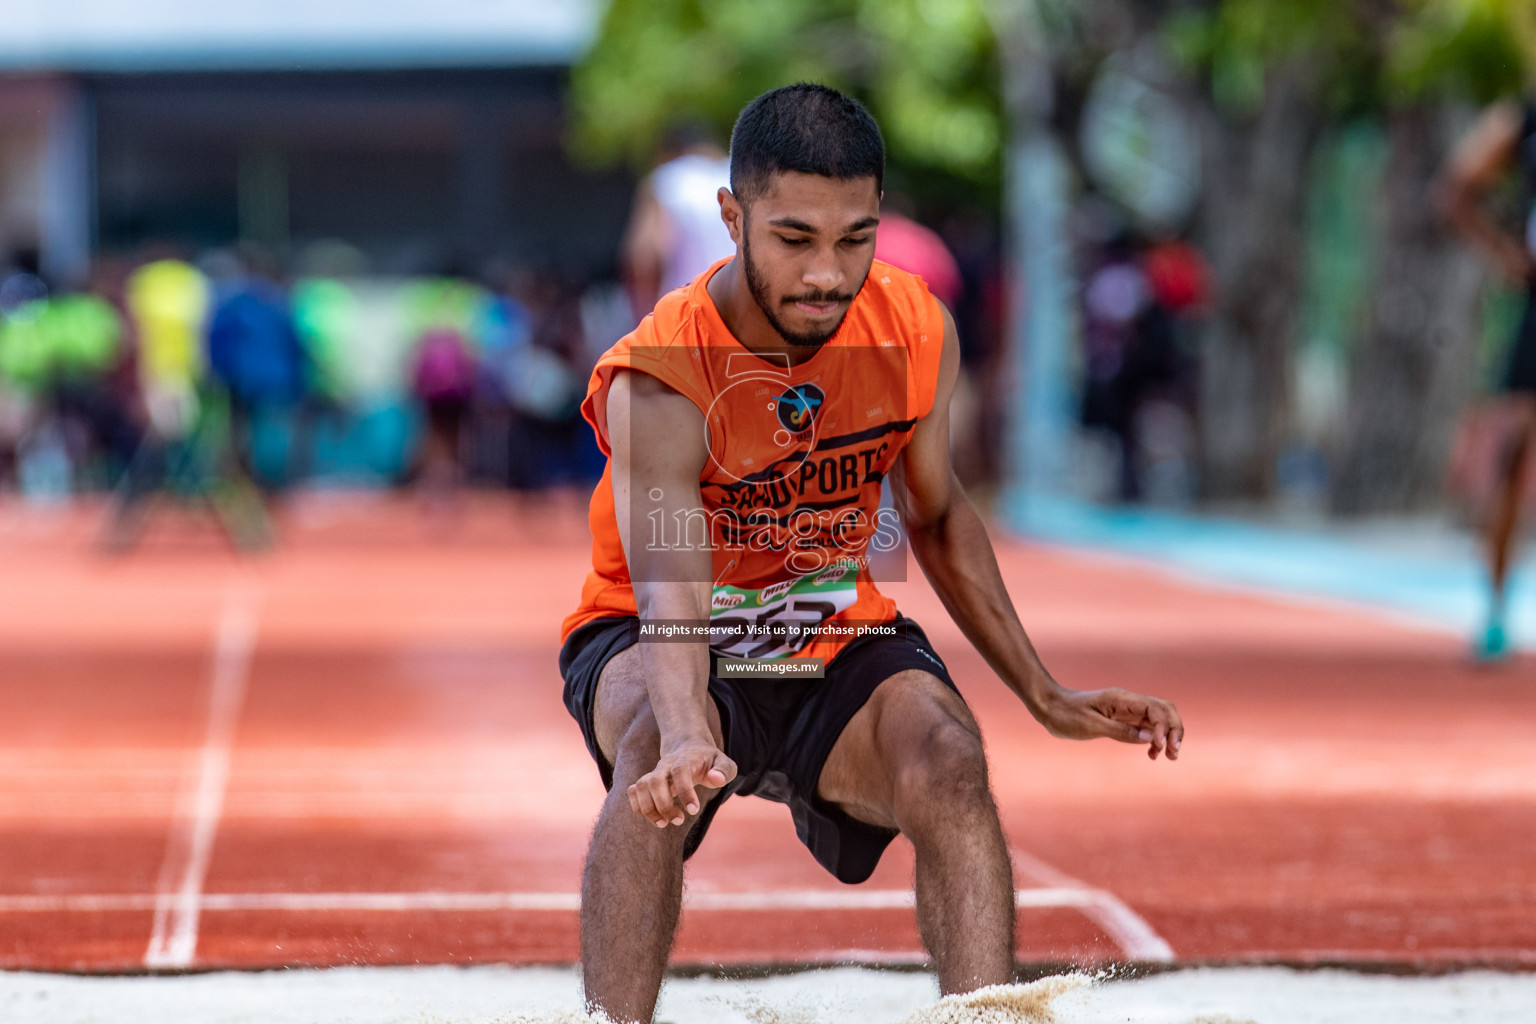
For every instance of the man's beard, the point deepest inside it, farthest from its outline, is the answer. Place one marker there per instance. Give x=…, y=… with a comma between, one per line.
x=759, y=289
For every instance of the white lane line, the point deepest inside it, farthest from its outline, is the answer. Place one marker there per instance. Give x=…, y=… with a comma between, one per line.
x=782, y=900
x=1131, y=932
x=173, y=941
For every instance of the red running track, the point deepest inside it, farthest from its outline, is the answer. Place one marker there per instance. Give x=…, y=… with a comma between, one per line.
x=352, y=750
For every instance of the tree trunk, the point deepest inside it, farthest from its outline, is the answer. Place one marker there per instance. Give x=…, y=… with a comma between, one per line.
x=1256, y=172
x=1414, y=370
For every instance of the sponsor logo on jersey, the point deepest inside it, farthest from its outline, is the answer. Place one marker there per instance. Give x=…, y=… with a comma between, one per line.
x=832, y=575
x=725, y=599
x=768, y=595
x=797, y=407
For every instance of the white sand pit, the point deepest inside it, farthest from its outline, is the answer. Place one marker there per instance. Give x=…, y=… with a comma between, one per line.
x=502, y=995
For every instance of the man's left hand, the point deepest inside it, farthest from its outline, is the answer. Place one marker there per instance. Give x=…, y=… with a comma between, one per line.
x=1114, y=713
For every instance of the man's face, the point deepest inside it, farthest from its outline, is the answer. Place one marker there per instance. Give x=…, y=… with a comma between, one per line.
x=806, y=245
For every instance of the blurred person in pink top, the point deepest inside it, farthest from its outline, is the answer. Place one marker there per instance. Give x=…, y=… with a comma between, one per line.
x=904, y=243
x=907, y=245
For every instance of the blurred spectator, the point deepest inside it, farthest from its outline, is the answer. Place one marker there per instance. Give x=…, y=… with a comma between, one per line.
x=206, y=363
x=19, y=285
x=1130, y=301
x=675, y=231
x=973, y=236
x=186, y=449
x=907, y=245
x=605, y=318
x=327, y=319
x=93, y=386
x=168, y=300
x=15, y=415
x=86, y=338
x=1178, y=277
x=506, y=331
x=42, y=463
x=20, y=282
x=57, y=358
x=545, y=388
x=444, y=314
x=254, y=351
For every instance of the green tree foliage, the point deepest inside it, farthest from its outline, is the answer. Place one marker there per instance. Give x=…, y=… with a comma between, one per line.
x=1236, y=43
x=927, y=69
x=1472, y=49
x=1415, y=68
x=1363, y=54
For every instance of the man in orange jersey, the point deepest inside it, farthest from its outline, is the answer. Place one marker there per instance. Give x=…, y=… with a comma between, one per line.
x=731, y=639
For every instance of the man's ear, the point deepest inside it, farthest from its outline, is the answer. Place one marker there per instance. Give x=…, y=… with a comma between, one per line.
x=732, y=214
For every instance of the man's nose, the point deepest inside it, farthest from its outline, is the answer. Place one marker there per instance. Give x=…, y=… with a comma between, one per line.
x=823, y=274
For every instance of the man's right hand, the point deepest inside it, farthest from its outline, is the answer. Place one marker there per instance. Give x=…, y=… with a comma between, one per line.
x=666, y=794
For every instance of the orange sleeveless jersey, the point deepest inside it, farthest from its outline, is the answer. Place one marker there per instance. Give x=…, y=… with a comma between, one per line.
x=791, y=490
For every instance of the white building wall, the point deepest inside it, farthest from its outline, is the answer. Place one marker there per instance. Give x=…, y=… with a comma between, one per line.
x=162, y=35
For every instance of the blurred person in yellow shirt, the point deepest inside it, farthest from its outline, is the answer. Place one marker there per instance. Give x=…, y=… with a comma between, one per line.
x=169, y=303
x=185, y=451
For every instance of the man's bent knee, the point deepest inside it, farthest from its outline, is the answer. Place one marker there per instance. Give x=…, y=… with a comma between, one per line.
x=886, y=753
x=944, y=772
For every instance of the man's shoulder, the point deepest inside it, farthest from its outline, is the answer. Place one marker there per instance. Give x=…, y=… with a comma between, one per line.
x=903, y=293
x=666, y=348
x=672, y=323
x=896, y=304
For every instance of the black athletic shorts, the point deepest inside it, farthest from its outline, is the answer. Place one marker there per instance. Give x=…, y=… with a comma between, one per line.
x=1520, y=375
x=778, y=731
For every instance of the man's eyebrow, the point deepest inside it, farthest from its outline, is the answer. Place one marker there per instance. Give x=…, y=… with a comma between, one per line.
x=792, y=224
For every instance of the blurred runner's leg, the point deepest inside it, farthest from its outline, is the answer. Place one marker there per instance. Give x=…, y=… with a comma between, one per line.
x=1493, y=643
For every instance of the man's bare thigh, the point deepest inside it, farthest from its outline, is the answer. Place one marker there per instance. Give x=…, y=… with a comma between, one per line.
x=891, y=728
x=622, y=703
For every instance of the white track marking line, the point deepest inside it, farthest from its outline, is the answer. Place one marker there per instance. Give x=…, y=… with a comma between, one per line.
x=1131, y=932
x=178, y=898
x=711, y=902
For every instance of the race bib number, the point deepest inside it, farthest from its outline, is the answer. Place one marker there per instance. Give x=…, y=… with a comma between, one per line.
x=781, y=619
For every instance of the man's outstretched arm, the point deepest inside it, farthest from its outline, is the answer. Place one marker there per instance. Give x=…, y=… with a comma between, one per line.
x=658, y=445
x=952, y=546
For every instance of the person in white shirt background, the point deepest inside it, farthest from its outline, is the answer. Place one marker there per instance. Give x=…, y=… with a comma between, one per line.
x=675, y=231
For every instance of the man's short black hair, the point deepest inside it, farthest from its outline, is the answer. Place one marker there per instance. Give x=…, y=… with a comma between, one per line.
x=807, y=128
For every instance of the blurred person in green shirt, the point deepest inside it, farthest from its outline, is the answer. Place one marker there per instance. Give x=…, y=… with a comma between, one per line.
x=58, y=353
